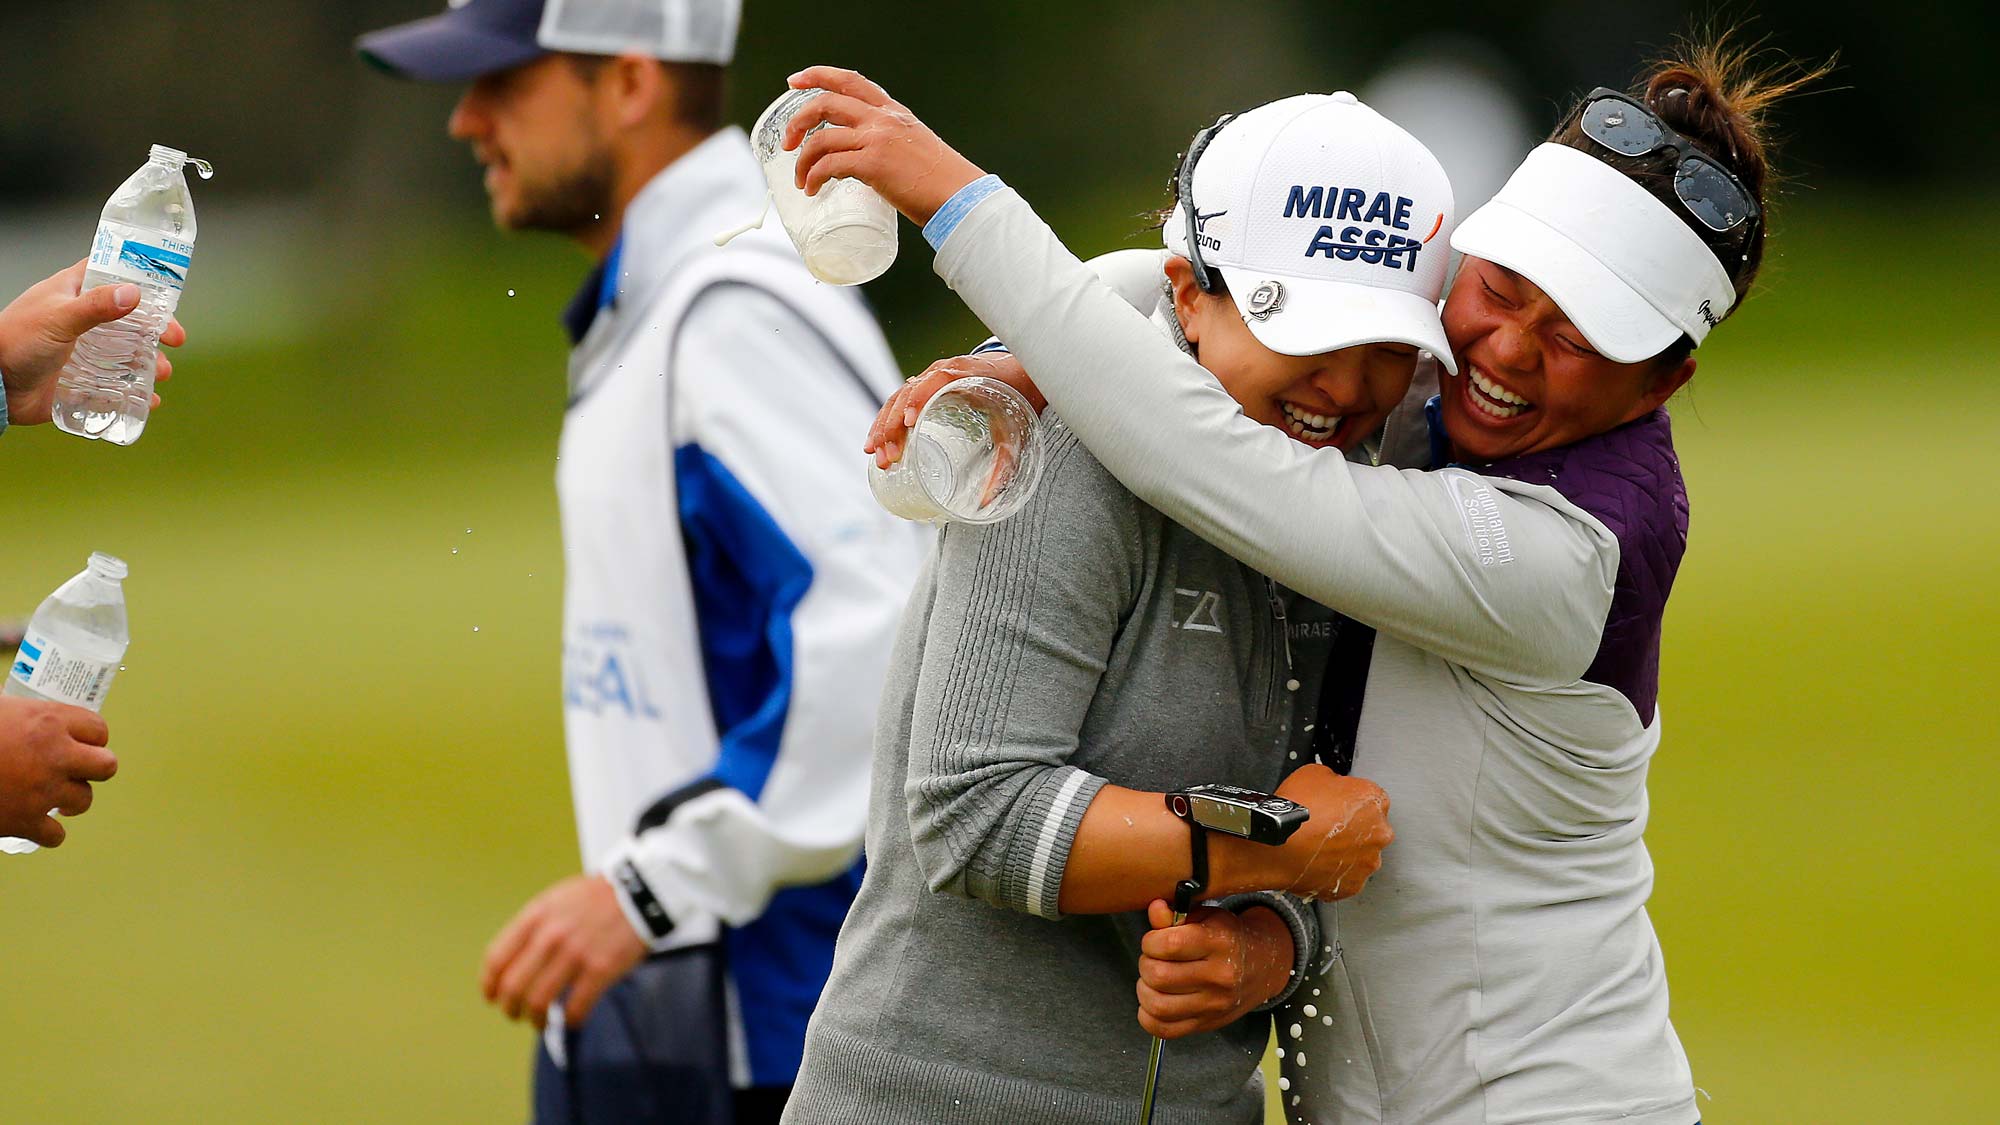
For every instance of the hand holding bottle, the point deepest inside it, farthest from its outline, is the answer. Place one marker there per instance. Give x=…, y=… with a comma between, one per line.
x=879, y=142
x=68, y=656
x=49, y=755
x=39, y=331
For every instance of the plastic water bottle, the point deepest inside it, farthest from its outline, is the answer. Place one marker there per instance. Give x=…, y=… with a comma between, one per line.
x=146, y=236
x=73, y=647
x=974, y=456
x=846, y=233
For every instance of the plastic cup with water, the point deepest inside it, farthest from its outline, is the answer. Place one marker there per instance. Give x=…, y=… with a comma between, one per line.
x=974, y=456
x=847, y=232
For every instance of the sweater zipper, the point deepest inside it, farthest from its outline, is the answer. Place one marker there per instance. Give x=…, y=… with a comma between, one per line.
x=1285, y=643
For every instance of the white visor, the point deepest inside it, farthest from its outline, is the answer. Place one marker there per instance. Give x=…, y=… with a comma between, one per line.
x=1624, y=268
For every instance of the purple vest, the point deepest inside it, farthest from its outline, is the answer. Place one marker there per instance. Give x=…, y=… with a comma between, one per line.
x=1631, y=481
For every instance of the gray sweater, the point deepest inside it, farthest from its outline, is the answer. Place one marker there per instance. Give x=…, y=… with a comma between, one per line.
x=1500, y=969
x=1087, y=638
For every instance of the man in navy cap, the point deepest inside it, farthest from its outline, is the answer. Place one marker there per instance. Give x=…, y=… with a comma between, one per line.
x=731, y=589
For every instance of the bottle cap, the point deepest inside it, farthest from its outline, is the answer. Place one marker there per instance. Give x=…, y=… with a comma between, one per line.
x=108, y=566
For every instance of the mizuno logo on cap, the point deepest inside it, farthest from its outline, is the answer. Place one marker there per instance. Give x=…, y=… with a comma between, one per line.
x=1201, y=235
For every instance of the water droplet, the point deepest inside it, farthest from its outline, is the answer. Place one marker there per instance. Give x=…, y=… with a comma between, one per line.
x=1311, y=1011
x=475, y=628
x=510, y=292
x=454, y=550
x=1614, y=119
x=468, y=531
x=1302, y=1058
x=1297, y=1031
x=1281, y=1054
x=1284, y=1083
x=202, y=167
x=1291, y=685
x=1295, y=1099
x=1327, y=1020
x=1294, y=755
x=121, y=667
x=1315, y=992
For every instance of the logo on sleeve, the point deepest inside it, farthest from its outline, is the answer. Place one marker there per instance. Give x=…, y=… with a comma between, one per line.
x=1374, y=225
x=1479, y=512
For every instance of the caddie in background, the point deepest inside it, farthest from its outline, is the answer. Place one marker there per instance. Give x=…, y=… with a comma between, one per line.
x=731, y=588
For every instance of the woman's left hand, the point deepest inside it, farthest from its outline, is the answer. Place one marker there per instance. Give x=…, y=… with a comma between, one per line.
x=878, y=142
x=1210, y=970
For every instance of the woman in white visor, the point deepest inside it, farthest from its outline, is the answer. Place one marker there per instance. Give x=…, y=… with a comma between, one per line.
x=1500, y=967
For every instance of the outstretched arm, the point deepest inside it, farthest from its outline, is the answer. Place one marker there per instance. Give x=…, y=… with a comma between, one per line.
x=1508, y=580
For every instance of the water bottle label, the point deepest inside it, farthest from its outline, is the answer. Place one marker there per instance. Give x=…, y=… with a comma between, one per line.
x=137, y=254
x=57, y=675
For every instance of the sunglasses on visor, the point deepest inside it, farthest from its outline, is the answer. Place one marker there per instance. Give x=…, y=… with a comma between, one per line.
x=1710, y=192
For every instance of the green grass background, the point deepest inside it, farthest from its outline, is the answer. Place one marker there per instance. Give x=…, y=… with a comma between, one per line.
x=340, y=737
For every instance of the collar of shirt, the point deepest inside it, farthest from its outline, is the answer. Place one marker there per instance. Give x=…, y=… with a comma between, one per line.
x=1440, y=441
x=713, y=186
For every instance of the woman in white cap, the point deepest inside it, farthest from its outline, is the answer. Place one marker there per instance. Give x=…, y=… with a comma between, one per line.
x=1501, y=967
x=1058, y=674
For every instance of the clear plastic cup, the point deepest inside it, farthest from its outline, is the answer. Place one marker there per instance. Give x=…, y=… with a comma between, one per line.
x=846, y=233
x=973, y=457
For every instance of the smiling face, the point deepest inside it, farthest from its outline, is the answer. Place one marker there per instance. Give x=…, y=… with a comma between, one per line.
x=1332, y=399
x=539, y=130
x=1528, y=379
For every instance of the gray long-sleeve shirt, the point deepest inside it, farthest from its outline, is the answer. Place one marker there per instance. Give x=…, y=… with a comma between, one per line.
x=1500, y=968
x=1086, y=638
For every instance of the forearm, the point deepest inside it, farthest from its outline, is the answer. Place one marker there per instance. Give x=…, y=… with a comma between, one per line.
x=1129, y=850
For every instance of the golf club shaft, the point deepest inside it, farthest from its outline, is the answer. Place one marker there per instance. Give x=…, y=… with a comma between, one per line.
x=1153, y=1060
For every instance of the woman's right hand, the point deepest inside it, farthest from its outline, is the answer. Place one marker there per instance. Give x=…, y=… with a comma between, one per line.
x=877, y=141
x=1335, y=853
x=892, y=424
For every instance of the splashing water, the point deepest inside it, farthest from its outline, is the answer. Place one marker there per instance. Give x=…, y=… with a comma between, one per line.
x=733, y=233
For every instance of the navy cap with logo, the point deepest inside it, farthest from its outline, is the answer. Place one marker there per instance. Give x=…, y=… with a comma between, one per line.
x=470, y=39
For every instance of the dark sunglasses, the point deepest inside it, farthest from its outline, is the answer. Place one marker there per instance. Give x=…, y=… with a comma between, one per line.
x=1184, y=192
x=1710, y=192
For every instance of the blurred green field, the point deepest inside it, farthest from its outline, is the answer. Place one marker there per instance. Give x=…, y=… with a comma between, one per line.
x=341, y=743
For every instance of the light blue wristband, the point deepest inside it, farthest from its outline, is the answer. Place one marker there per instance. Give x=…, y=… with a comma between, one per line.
x=3, y=406
x=957, y=208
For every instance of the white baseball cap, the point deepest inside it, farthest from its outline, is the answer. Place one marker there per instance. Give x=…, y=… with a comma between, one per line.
x=471, y=38
x=697, y=31
x=1329, y=223
x=1626, y=270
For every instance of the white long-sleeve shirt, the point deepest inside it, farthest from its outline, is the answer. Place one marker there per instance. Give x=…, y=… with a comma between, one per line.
x=1501, y=967
x=731, y=588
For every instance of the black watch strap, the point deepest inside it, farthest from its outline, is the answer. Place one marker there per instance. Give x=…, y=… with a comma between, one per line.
x=643, y=899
